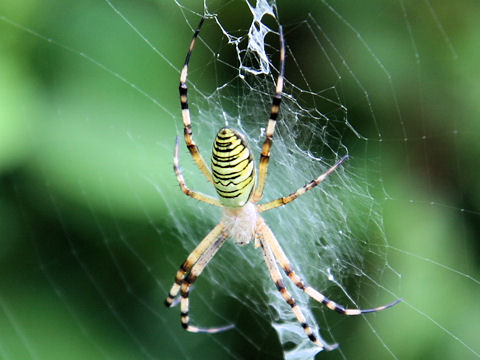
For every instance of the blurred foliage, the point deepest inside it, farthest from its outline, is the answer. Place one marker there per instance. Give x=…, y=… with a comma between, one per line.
x=73, y=178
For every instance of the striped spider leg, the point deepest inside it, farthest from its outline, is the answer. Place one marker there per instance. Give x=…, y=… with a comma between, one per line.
x=270, y=245
x=194, y=265
x=188, y=134
x=272, y=121
x=270, y=261
x=233, y=176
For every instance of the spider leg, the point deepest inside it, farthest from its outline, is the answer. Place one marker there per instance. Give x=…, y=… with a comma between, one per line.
x=181, y=181
x=277, y=279
x=201, y=248
x=286, y=199
x=191, y=145
x=195, y=272
x=277, y=98
x=316, y=295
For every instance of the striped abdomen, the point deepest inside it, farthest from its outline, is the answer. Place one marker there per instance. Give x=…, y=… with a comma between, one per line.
x=233, y=168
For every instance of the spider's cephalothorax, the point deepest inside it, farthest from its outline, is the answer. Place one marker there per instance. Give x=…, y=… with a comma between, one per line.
x=233, y=175
x=233, y=168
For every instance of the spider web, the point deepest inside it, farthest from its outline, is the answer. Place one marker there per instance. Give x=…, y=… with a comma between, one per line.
x=95, y=225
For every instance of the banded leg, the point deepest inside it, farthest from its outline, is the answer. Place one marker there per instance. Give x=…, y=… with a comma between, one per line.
x=190, y=279
x=277, y=279
x=277, y=98
x=316, y=295
x=183, y=185
x=201, y=248
x=191, y=145
x=286, y=199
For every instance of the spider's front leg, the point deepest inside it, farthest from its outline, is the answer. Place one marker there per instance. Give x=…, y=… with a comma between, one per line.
x=201, y=248
x=190, y=279
x=313, y=293
x=277, y=279
x=193, y=266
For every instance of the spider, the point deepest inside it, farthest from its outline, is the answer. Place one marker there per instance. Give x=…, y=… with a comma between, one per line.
x=233, y=176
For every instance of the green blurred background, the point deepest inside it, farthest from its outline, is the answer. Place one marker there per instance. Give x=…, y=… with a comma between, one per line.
x=85, y=155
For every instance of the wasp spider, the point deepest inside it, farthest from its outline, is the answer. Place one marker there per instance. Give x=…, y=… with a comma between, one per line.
x=233, y=176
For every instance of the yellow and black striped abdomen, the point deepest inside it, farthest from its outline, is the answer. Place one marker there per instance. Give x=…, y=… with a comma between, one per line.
x=233, y=168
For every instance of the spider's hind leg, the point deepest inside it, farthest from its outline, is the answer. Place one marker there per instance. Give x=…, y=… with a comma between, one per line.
x=270, y=130
x=188, y=134
x=181, y=181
